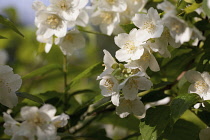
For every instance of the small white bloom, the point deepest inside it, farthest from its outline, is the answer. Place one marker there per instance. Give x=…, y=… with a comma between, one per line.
x=9, y=84
x=204, y=134
x=38, y=6
x=49, y=24
x=3, y=57
x=112, y=5
x=109, y=61
x=71, y=42
x=149, y=22
x=109, y=87
x=131, y=85
x=10, y=125
x=145, y=61
x=200, y=83
x=60, y=120
x=130, y=45
x=127, y=107
x=67, y=9
x=48, y=41
x=168, y=8
x=133, y=7
x=106, y=20
x=178, y=29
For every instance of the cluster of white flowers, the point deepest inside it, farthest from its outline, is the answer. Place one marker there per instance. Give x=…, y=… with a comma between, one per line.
x=53, y=22
x=154, y=34
x=9, y=84
x=35, y=123
x=109, y=14
x=200, y=84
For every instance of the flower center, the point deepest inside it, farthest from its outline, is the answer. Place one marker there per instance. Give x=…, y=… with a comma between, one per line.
x=53, y=21
x=149, y=26
x=130, y=47
x=201, y=86
x=109, y=84
x=62, y=4
x=106, y=17
x=132, y=83
x=176, y=27
x=69, y=37
x=145, y=56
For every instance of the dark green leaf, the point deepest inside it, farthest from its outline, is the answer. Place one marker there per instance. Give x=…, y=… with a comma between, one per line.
x=154, y=123
x=128, y=27
x=92, y=70
x=41, y=71
x=180, y=104
x=9, y=24
x=30, y=97
x=2, y=37
x=207, y=105
x=82, y=91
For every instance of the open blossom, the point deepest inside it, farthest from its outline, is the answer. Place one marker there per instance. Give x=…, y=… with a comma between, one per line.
x=200, y=84
x=145, y=61
x=130, y=45
x=71, y=42
x=49, y=24
x=9, y=84
x=168, y=8
x=109, y=87
x=67, y=9
x=41, y=123
x=127, y=107
x=149, y=22
x=131, y=85
x=107, y=20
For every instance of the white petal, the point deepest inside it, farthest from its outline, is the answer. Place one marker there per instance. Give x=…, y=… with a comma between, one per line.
x=153, y=64
x=49, y=110
x=193, y=76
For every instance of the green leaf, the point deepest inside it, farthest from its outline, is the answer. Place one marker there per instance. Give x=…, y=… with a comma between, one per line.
x=155, y=122
x=207, y=105
x=128, y=27
x=205, y=7
x=30, y=97
x=180, y=104
x=10, y=25
x=192, y=8
x=2, y=37
x=92, y=70
x=41, y=71
x=186, y=128
x=82, y=91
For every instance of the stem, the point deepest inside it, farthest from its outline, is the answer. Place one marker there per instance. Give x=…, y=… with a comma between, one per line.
x=65, y=71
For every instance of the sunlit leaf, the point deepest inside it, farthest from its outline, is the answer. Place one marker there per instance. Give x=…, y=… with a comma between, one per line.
x=180, y=104
x=2, y=37
x=41, y=71
x=205, y=7
x=9, y=24
x=192, y=8
x=30, y=97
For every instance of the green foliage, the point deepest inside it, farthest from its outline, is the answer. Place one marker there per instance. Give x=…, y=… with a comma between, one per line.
x=9, y=24
x=30, y=97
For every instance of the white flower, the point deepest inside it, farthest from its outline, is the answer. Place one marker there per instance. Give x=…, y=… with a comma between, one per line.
x=130, y=45
x=10, y=125
x=49, y=24
x=9, y=84
x=38, y=6
x=178, y=29
x=109, y=61
x=131, y=85
x=127, y=107
x=48, y=41
x=204, y=134
x=145, y=61
x=109, y=87
x=133, y=6
x=168, y=8
x=149, y=22
x=208, y=3
x=82, y=19
x=3, y=57
x=71, y=42
x=106, y=20
x=200, y=83
x=67, y=9
x=112, y=5
x=41, y=123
